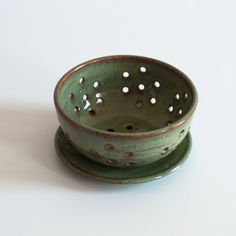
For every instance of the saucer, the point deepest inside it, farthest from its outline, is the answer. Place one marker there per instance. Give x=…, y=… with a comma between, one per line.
x=84, y=166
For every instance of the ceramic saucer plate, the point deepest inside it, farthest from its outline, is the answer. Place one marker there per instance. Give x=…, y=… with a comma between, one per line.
x=82, y=165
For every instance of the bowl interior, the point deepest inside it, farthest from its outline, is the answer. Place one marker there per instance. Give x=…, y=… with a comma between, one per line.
x=125, y=95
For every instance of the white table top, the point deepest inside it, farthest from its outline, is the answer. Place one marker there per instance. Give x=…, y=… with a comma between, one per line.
x=39, y=42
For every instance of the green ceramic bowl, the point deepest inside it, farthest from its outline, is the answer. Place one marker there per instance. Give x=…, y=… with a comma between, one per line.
x=125, y=111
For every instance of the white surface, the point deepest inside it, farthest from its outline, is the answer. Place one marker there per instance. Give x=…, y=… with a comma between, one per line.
x=40, y=41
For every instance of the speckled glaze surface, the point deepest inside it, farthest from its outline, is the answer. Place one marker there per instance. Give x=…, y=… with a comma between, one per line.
x=125, y=111
x=82, y=165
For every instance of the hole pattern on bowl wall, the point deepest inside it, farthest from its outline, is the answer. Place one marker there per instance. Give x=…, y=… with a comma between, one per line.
x=165, y=150
x=125, y=90
x=185, y=96
x=111, y=161
x=76, y=109
x=143, y=69
x=89, y=102
x=181, y=132
x=108, y=147
x=85, y=97
x=99, y=101
x=98, y=95
x=125, y=74
x=139, y=104
x=141, y=87
x=81, y=80
x=177, y=96
x=71, y=96
x=96, y=84
x=171, y=109
x=128, y=154
x=153, y=101
x=180, y=112
x=157, y=84
x=128, y=164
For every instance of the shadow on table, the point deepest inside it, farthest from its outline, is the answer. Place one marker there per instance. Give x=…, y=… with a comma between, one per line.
x=28, y=156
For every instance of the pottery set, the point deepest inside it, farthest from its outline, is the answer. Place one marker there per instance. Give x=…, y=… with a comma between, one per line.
x=124, y=119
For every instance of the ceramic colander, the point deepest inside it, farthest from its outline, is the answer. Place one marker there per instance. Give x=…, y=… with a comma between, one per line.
x=125, y=111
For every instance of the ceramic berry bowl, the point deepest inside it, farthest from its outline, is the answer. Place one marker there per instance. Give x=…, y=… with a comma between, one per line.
x=123, y=111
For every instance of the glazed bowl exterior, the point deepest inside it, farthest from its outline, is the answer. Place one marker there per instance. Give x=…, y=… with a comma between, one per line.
x=117, y=142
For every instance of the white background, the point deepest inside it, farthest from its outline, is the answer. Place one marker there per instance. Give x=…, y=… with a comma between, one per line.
x=39, y=42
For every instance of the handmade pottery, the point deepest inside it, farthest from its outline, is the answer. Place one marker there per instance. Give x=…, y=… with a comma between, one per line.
x=125, y=111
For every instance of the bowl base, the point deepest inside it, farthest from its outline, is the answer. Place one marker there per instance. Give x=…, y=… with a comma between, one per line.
x=82, y=165
x=125, y=124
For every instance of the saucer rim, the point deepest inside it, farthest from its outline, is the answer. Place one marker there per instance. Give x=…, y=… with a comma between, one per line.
x=117, y=180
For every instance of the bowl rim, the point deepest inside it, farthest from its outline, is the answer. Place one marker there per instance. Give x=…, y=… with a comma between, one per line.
x=156, y=132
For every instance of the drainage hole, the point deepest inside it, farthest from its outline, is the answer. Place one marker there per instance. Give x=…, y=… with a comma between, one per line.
x=129, y=127
x=111, y=130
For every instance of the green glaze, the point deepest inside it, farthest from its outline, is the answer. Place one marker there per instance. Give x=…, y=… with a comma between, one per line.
x=79, y=163
x=141, y=134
